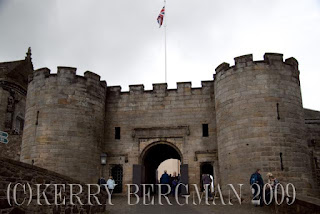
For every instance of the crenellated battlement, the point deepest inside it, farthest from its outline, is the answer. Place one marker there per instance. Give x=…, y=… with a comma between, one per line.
x=136, y=89
x=269, y=59
x=67, y=75
x=251, y=107
x=161, y=88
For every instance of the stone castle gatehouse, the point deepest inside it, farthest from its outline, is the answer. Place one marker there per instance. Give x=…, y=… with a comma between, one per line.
x=249, y=116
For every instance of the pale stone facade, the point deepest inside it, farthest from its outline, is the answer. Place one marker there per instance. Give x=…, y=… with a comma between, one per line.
x=250, y=116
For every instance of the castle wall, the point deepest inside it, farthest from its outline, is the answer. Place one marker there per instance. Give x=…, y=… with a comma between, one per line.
x=13, y=88
x=64, y=123
x=259, y=117
x=253, y=111
x=14, y=172
x=12, y=111
x=168, y=115
x=3, y=106
x=12, y=149
x=312, y=121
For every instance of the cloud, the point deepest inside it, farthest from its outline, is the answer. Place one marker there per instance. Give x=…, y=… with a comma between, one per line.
x=121, y=40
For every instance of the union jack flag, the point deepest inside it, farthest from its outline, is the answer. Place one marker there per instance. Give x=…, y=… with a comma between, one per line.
x=160, y=17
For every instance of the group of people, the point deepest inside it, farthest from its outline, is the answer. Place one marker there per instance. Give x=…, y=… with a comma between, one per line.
x=110, y=183
x=172, y=180
x=256, y=181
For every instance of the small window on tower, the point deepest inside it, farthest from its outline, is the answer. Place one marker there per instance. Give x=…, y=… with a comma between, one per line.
x=117, y=132
x=205, y=130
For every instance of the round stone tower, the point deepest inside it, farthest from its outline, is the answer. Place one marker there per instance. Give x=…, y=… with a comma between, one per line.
x=260, y=122
x=64, y=122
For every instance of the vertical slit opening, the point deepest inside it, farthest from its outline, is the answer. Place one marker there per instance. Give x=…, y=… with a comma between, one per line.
x=37, y=120
x=281, y=162
x=278, y=115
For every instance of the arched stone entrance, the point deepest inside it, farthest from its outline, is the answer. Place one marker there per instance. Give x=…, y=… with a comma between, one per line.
x=154, y=155
x=151, y=157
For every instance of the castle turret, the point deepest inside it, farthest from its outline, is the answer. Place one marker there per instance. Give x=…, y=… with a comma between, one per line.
x=260, y=122
x=64, y=122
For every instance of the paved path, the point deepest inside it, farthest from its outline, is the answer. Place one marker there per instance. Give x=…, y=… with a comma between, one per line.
x=121, y=206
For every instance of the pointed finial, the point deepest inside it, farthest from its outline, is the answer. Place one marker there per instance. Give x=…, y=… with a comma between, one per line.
x=28, y=53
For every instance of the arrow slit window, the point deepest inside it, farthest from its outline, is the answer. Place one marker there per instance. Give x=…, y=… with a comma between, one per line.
x=37, y=120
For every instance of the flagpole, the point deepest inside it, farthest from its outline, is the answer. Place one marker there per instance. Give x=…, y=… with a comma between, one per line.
x=165, y=43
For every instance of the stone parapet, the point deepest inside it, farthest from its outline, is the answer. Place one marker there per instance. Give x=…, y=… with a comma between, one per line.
x=270, y=59
x=183, y=88
x=67, y=75
x=13, y=172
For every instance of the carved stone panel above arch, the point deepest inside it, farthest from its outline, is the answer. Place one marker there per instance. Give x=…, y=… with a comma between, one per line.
x=160, y=132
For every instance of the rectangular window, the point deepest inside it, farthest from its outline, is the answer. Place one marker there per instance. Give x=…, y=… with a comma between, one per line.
x=117, y=133
x=205, y=130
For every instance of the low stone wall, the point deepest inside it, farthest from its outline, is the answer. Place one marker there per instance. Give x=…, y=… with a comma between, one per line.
x=302, y=205
x=17, y=172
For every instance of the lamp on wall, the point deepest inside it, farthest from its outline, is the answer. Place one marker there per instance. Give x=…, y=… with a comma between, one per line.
x=103, y=158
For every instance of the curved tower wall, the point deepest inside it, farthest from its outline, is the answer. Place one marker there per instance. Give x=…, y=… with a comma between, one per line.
x=64, y=122
x=252, y=131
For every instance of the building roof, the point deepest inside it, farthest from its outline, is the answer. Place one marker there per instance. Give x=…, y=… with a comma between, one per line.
x=17, y=72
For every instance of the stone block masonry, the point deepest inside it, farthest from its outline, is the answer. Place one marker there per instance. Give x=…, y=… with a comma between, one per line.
x=260, y=121
x=252, y=110
x=174, y=116
x=16, y=172
x=64, y=122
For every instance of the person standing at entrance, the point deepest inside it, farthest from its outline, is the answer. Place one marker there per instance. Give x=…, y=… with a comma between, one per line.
x=102, y=182
x=173, y=182
x=272, y=181
x=206, y=180
x=111, y=184
x=256, y=182
x=165, y=179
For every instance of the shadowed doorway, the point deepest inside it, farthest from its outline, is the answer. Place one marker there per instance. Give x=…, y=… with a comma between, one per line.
x=117, y=174
x=150, y=159
x=153, y=157
x=206, y=168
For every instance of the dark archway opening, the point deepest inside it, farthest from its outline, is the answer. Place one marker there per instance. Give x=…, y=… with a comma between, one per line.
x=153, y=157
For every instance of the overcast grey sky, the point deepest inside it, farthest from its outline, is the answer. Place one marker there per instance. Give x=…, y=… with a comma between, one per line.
x=121, y=40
